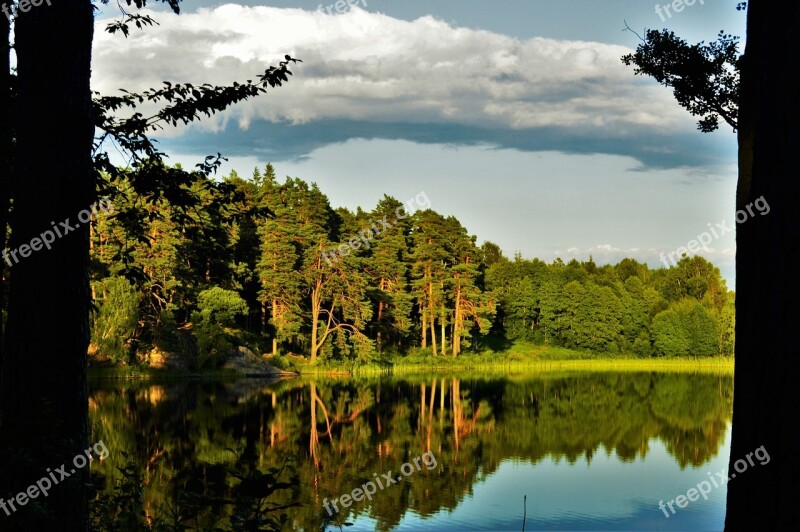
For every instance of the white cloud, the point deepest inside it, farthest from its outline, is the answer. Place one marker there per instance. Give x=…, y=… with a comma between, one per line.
x=368, y=66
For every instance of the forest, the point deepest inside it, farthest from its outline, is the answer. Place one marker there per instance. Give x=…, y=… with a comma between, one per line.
x=271, y=266
x=147, y=296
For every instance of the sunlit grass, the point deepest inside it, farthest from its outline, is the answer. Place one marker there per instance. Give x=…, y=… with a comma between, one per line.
x=519, y=357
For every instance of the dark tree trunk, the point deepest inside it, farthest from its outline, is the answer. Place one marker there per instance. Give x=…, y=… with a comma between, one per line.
x=763, y=497
x=44, y=398
x=6, y=155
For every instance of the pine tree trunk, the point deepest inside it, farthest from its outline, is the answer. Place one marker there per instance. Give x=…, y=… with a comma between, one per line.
x=275, y=333
x=424, y=328
x=433, y=319
x=456, y=341
x=380, y=321
x=316, y=305
x=444, y=338
x=766, y=402
x=44, y=398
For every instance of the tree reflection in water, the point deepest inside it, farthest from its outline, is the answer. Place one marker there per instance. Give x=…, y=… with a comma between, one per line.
x=198, y=437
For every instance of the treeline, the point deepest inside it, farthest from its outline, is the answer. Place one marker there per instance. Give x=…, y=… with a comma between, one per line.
x=271, y=265
x=685, y=310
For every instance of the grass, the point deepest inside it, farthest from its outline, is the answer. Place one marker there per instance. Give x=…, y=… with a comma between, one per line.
x=148, y=373
x=519, y=357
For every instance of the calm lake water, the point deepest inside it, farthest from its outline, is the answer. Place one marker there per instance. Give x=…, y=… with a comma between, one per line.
x=591, y=451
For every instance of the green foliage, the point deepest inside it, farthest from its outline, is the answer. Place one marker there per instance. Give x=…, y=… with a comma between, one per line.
x=642, y=345
x=687, y=328
x=727, y=326
x=669, y=335
x=123, y=509
x=220, y=306
x=213, y=344
x=704, y=77
x=116, y=318
x=282, y=362
x=299, y=277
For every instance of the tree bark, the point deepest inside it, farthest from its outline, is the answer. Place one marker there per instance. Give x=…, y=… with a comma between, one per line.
x=275, y=332
x=6, y=154
x=765, y=398
x=431, y=307
x=43, y=397
x=424, y=323
x=380, y=321
x=443, y=326
x=316, y=304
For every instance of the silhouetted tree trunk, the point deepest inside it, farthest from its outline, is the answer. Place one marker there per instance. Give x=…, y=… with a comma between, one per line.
x=6, y=154
x=44, y=398
x=763, y=497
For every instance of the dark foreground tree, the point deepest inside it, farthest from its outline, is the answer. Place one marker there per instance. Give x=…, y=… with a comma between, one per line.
x=705, y=80
x=766, y=401
x=6, y=148
x=44, y=398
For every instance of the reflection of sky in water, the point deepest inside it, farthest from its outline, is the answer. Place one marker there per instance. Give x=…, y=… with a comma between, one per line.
x=604, y=495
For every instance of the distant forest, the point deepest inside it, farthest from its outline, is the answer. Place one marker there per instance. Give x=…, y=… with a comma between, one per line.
x=271, y=266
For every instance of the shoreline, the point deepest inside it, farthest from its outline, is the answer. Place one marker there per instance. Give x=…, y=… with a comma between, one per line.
x=476, y=368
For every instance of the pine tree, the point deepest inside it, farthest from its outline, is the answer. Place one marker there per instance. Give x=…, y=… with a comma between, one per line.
x=429, y=264
x=471, y=306
x=388, y=267
x=330, y=274
x=280, y=292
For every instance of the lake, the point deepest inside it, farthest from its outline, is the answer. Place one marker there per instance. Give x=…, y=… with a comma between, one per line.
x=577, y=451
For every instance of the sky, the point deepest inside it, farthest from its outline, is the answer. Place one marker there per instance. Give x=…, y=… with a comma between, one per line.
x=515, y=116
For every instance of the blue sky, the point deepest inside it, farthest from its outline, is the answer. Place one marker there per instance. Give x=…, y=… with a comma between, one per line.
x=515, y=116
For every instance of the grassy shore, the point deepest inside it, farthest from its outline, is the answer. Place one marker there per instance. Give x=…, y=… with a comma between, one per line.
x=717, y=366
x=148, y=373
x=520, y=357
x=517, y=358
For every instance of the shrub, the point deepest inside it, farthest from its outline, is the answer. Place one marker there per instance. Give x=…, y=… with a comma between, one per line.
x=212, y=340
x=222, y=305
x=115, y=321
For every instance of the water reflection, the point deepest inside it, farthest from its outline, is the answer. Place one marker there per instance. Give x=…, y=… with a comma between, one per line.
x=333, y=435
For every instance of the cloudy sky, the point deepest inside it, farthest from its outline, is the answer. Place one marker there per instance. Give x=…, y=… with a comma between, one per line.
x=516, y=116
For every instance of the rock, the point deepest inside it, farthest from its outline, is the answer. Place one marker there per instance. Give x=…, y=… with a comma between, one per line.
x=245, y=361
x=156, y=358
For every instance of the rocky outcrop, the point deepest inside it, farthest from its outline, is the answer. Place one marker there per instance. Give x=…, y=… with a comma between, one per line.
x=178, y=350
x=245, y=361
